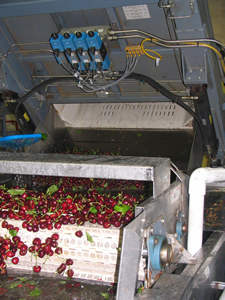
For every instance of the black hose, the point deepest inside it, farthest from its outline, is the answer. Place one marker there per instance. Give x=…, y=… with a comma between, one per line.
x=175, y=99
x=36, y=88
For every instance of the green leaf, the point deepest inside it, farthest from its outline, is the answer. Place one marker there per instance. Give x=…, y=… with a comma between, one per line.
x=63, y=282
x=15, y=192
x=139, y=134
x=13, y=232
x=60, y=182
x=23, y=279
x=133, y=187
x=14, y=285
x=122, y=208
x=35, y=292
x=44, y=136
x=78, y=131
x=89, y=237
x=106, y=184
x=141, y=288
x=99, y=190
x=93, y=210
x=105, y=295
x=52, y=189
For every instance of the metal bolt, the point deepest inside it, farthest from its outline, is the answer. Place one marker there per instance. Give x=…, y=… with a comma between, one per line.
x=190, y=70
x=151, y=230
x=199, y=77
x=200, y=70
x=162, y=221
x=152, y=281
x=189, y=78
x=156, y=241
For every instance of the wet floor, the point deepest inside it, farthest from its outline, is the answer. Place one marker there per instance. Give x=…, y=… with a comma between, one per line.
x=29, y=286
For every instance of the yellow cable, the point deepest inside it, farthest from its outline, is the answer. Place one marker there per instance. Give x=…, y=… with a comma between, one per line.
x=191, y=43
x=212, y=48
x=145, y=50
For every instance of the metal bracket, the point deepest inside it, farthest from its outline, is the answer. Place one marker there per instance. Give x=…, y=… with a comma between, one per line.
x=180, y=254
x=182, y=17
x=162, y=5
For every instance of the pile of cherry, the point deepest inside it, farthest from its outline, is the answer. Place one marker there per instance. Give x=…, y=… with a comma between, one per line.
x=77, y=183
x=51, y=210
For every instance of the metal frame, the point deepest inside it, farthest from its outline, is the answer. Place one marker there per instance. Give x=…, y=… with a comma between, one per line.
x=165, y=208
x=91, y=166
x=180, y=286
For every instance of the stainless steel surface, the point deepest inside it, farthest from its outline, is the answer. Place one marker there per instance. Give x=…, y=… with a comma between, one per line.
x=210, y=265
x=91, y=166
x=164, y=208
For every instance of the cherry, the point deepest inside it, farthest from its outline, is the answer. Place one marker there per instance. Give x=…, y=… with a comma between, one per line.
x=36, y=241
x=41, y=253
x=54, y=244
x=61, y=268
x=4, y=224
x=22, y=253
x=43, y=225
x=48, y=240
x=15, y=260
x=57, y=225
x=50, y=226
x=47, y=248
x=58, y=250
x=69, y=262
x=79, y=233
x=37, y=269
x=55, y=236
x=70, y=273
x=24, y=247
x=106, y=224
x=10, y=253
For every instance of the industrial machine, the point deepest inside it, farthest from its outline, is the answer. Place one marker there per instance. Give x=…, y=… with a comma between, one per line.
x=141, y=78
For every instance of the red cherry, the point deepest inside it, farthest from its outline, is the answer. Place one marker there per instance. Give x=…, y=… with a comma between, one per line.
x=79, y=233
x=106, y=224
x=58, y=250
x=37, y=269
x=69, y=262
x=36, y=241
x=15, y=260
x=70, y=273
x=55, y=236
x=57, y=225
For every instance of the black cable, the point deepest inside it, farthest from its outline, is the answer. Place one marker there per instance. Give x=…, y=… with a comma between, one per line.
x=36, y=88
x=175, y=99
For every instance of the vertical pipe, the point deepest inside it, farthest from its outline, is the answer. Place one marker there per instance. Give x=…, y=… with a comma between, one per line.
x=197, y=190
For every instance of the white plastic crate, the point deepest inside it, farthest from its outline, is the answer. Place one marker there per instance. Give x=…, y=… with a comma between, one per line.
x=93, y=261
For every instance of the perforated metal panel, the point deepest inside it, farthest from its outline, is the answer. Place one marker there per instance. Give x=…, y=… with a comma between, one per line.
x=156, y=115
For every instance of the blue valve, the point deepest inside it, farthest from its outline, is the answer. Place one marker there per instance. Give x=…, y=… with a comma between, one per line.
x=57, y=47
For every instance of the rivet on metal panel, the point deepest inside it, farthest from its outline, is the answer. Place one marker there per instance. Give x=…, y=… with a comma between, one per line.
x=149, y=174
